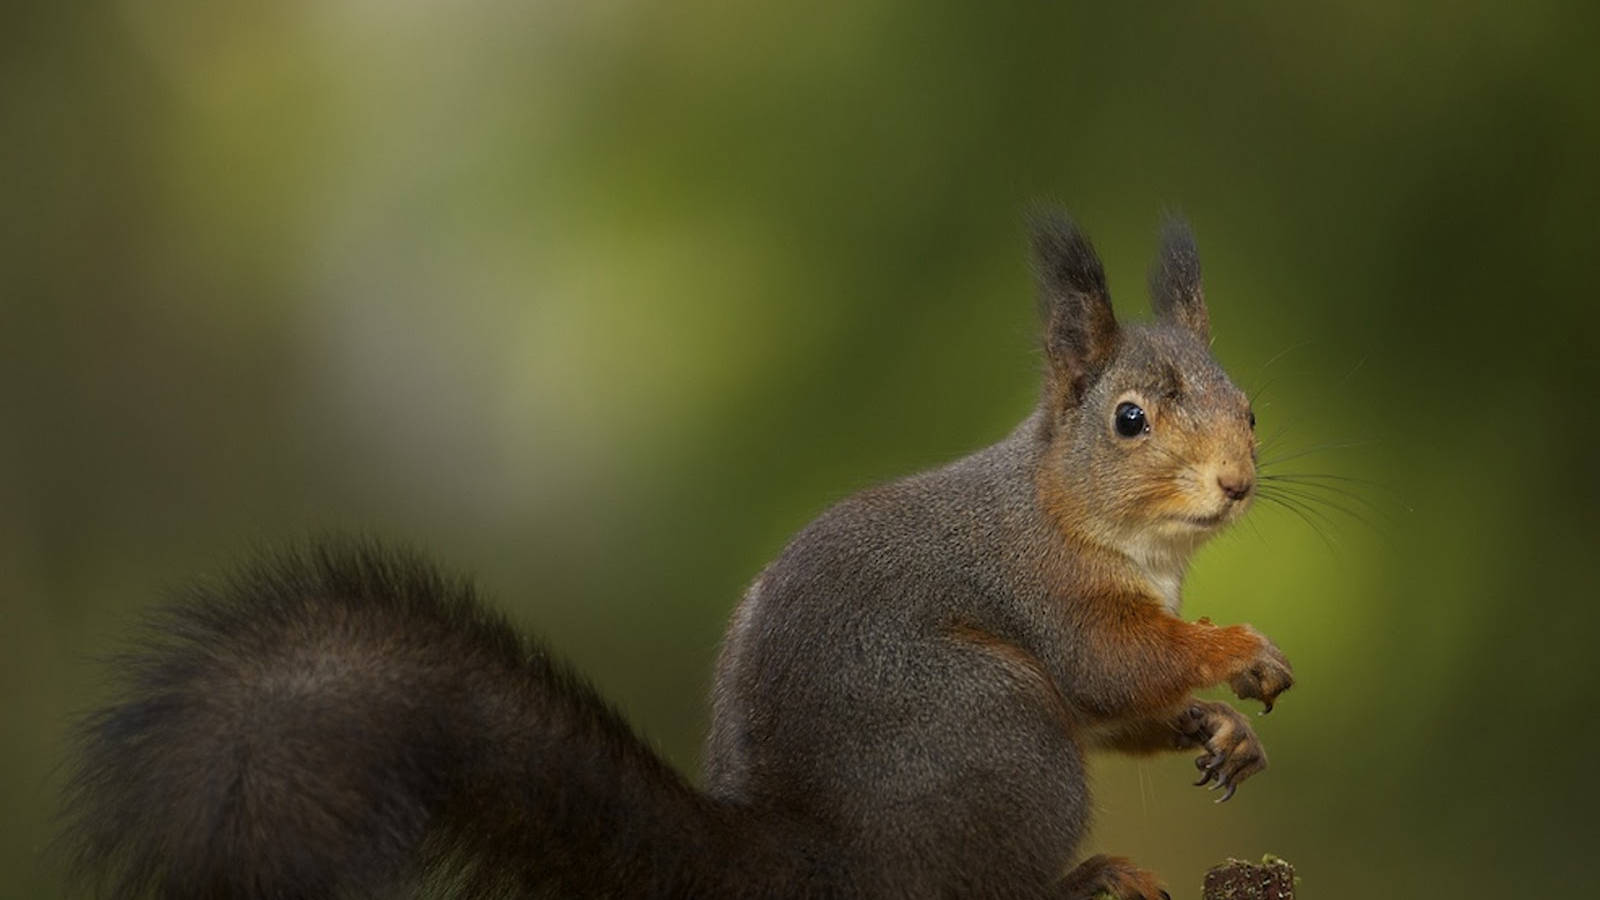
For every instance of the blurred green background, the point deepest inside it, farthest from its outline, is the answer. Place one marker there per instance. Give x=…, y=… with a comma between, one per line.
x=601, y=301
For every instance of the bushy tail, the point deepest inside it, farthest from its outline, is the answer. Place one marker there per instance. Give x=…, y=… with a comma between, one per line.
x=348, y=722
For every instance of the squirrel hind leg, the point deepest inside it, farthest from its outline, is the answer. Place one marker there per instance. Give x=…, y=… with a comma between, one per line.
x=1114, y=876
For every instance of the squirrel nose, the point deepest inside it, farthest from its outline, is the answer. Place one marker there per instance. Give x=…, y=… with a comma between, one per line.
x=1237, y=487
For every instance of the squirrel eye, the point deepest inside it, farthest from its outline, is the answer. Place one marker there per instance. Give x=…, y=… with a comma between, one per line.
x=1252, y=420
x=1130, y=420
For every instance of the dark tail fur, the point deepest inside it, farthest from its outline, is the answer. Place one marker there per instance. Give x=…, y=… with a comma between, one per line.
x=348, y=722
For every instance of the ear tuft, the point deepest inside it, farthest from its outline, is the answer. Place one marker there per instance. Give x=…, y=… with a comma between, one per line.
x=1176, y=292
x=1065, y=259
x=1080, y=328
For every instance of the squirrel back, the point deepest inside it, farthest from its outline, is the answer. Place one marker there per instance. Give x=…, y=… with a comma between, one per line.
x=901, y=707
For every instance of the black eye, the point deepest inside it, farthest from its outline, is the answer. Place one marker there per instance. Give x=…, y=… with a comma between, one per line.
x=1252, y=419
x=1130, y=420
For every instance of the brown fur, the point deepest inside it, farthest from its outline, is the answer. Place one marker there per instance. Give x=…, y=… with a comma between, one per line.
x=1101, y=875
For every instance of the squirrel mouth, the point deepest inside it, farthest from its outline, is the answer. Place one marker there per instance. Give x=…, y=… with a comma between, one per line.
x=1210, y=521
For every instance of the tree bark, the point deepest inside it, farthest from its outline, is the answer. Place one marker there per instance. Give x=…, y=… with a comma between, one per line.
x=1270, y=879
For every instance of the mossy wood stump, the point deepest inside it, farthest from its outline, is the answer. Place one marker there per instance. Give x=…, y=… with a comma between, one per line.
x=1270, y=879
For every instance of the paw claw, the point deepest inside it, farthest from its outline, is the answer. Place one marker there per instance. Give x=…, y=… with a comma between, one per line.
x=1232, y=754
x=1265, y=676
x=1212, y=766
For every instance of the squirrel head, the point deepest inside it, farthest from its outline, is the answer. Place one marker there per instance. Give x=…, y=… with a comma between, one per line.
x=1150, y=448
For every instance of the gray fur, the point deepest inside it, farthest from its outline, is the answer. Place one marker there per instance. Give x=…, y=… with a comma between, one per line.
x=901, y=706
x=841, y=696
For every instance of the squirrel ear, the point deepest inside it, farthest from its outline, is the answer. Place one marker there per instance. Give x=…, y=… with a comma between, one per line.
x=1080, y=330
x=1176, y=294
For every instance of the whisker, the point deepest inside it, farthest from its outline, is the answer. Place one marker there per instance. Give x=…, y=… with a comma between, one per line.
x=1323, y=476
x=1311, y=499
x=1351, y=371
x=1310, y=523
x=1309, y=503
x=1320, y=448
x=1318, y=480
x=1256, y=530
x=1261, y=389
x=1284, y=352
x=1318, y=485
x=1257, y=391
x=1272, y=441
x=1316, y=527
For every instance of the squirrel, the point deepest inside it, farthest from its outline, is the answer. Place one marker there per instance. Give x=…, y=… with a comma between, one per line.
x=901, y=705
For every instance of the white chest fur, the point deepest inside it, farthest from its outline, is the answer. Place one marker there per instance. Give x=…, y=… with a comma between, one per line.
x=1161, y=565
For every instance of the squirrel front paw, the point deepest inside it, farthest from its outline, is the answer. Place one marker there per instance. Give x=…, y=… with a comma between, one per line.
x=1264, y=675
x=1233, y=752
